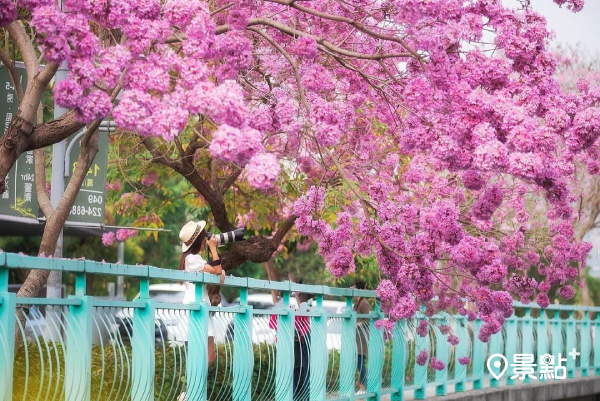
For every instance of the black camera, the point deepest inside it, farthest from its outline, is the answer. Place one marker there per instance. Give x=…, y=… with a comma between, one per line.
x=229, y=236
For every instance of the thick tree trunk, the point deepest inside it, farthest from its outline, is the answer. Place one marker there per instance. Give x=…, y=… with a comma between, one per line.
x=12, y=144
x=37, y=278
x=55, y=222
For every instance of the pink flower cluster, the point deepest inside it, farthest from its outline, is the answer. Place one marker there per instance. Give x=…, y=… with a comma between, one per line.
x=423, y=328
x=464, y=360
x=108, y=238
x=453, y=340
x=305, y=47
x=8, y=12
x=124, y=234
x=149, y=179
x=436, y=364
x=485, y=207
x=422, y=357
x=262, y=171
x=226, y=140
x=113, y=186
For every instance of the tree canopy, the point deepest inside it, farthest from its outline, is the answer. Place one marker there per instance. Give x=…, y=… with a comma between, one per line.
x=436, y=130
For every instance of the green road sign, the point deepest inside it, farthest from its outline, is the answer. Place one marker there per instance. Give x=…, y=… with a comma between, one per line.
x=20, y=198
x=89, y=204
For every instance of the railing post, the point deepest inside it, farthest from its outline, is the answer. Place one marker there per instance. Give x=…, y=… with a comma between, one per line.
x=461, y=350
x=318, y=352
x=196, y=368
x=420, y=381
x=398, y=361
x=478, y=356
x=527, y=347
x=442, y=354
x=512, y=337
x=597, y=344
x=8, y=305
x=243, y=352
x=557, y=338
x=495, y=347
x=376, y=355
x=78, y=356
x=571, y=344
x=542, y=339
x=348, y=353
x=285, y=352
x=142, y=344
x=585, y=345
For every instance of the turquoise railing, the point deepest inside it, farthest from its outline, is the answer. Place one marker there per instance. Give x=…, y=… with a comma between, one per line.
x=84, y=348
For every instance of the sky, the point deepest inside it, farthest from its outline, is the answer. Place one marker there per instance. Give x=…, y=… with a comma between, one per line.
x=582, y=28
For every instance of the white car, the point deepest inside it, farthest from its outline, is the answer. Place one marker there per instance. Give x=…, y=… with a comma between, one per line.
x=172, y=325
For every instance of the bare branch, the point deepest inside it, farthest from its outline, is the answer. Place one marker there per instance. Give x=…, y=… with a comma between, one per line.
x=40, y=183
x=296, y=33
x=158, y=157
x=231, y=179
x=285, y=54
x=349, y=21
x=179, y=147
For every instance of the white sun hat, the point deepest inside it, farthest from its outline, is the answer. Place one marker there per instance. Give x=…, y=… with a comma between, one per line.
x=190, y=232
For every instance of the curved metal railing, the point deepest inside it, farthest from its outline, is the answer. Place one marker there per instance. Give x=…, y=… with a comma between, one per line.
x=82, y=348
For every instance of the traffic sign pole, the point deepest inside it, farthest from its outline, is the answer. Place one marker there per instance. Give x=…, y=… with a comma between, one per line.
x=57, y=190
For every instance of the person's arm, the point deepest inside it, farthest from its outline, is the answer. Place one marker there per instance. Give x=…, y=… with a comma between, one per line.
x=214, y=268
x=364, y=307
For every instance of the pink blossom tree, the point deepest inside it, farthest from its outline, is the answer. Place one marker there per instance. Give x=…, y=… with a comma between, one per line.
x=440, y=121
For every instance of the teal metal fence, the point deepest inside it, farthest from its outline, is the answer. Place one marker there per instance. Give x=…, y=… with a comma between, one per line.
x=155, y=348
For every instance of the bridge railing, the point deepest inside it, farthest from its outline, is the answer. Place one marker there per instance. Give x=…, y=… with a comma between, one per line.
x=153, y=348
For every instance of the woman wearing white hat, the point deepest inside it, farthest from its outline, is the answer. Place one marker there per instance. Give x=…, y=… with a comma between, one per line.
x=194, y=241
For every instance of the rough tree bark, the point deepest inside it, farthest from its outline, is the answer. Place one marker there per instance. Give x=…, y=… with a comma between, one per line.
x=55, y=220
x=22, y=135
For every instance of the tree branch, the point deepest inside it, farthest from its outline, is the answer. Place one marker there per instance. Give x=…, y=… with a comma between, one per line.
x=40, y=183
x=283, y=230
x=40, y=175
x=349, y=21
x=21, y=39
x=285, y=54
x=12, y=72
x=54, y=131
x=231, y=179
x=296, y=33
x=158, y=157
